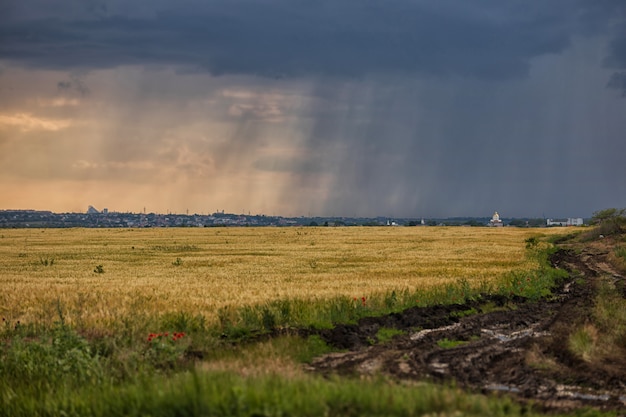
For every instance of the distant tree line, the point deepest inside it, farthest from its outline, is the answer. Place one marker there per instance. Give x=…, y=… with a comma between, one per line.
x=538, y=222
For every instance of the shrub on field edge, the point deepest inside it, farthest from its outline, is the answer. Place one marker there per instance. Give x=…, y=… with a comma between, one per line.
x=62, y=355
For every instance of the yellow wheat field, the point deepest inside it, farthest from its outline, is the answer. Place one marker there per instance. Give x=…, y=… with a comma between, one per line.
x=199, y=270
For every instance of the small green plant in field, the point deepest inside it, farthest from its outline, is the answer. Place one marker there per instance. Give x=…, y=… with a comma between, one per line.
x=99, y=269
x=177, y=262
x=46, y=261
x=385, y=334
x=466, y=290
x=391, y=300
x=268, y=319
x=532, y=242
x=227, y=317
x=249, y=317
x=341, y=310
x=284, y=308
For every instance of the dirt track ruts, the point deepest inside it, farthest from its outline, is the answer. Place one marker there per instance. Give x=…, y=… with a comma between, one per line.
x=514, y=346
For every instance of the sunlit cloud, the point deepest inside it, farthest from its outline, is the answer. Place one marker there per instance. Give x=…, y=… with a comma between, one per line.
x=28, y=122
x=114, y=166
x=59, y=102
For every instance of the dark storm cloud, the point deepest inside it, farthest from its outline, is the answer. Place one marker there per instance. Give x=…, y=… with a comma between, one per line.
x=612, y=14
x=617, y=59
x=467, y=147
x=278, y=38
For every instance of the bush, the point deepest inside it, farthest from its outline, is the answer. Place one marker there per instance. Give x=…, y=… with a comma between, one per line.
x=610, y=221
x=64, y=357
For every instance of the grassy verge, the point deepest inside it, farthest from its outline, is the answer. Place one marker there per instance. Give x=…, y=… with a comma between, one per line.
x=602, y=339
x=620, y=257
x=228, y=394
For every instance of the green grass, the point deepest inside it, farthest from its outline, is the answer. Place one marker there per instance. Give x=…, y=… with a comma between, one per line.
x=196, y=393
x=609, y=315
x=63, y=374
x=385, y=334
x=449, y=344
x=602, y=338
x=583, y=342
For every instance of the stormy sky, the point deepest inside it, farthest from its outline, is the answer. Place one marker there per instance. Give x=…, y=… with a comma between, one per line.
x=412, y=108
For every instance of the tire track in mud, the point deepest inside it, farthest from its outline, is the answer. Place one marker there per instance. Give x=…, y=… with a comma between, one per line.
x=517, y=347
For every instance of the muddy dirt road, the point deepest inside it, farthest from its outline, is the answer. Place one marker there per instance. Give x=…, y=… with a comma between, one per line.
x=512, y=346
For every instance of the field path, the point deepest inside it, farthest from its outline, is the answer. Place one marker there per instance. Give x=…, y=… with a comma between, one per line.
x=512, y=345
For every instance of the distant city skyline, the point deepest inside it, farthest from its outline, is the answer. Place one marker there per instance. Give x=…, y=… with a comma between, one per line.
x=112, y=219
x=403, y=108
x=186, y=211
x=495, y=217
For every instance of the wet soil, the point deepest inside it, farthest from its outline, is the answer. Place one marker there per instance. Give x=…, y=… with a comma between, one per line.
x=512, y=346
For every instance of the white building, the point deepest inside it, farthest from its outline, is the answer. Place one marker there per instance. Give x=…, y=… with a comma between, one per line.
x=495, y=220
x=578, y=221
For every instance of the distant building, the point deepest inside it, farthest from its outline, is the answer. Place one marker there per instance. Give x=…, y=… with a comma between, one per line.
x=565, y=222
x=495, y=220
x=92, y=210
